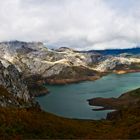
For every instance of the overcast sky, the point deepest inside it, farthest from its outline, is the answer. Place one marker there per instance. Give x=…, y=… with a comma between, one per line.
x=81, y=24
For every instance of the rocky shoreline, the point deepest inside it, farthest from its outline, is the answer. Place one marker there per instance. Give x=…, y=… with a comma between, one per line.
x=127, y=101
x=125, y=71
x=130, y=99
x=37, y=91
x=70, y=81
x=35, y=86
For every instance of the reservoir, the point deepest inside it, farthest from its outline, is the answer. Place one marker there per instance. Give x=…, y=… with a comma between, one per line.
x=70, y=101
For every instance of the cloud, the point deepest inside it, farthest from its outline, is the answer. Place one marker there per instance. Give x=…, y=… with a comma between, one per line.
x=84, y=24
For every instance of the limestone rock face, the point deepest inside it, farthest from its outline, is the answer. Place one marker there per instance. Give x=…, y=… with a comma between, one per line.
x=11, y=79
x=35, y=59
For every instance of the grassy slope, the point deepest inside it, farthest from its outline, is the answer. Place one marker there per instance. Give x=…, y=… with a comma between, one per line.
x=32, y=123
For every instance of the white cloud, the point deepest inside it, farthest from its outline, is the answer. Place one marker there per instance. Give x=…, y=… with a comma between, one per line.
x=83, y=24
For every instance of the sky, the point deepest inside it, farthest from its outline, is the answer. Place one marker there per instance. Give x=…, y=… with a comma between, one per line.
x=79, y=24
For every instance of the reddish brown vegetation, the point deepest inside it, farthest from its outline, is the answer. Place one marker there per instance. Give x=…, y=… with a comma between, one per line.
x=36, y=124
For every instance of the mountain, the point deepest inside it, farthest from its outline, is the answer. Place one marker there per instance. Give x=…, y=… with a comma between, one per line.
x=119, y=63
x=65, y=65
x=133, y=51
x=33, y=58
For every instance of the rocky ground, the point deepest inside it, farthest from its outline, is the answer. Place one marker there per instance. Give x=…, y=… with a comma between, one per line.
x=14, y=91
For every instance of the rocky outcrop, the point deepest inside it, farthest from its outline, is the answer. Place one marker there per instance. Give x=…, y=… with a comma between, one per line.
x=65, y=49
x=8, y=100
x=35, y=85
x=115, y=115
x=12, y=81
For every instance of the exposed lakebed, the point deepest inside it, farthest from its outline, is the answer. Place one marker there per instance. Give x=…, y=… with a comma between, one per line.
x=70, y=101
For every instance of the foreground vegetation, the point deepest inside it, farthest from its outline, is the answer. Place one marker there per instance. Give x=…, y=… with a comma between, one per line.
x=32, y=123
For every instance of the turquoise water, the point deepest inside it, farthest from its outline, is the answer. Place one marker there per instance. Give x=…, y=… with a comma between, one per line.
x=71, y=100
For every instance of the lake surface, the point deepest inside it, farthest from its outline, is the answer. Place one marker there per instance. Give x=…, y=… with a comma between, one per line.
x=71, y=100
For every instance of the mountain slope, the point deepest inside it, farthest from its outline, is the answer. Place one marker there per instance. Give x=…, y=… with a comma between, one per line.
x=17, y=93
x=34, y=124
x=35, y=59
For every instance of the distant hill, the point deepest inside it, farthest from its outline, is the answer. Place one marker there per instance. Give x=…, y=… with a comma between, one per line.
x=117, y=51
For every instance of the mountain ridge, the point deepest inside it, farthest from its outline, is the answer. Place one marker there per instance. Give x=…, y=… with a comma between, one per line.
x=34, y=58
x=134, y=50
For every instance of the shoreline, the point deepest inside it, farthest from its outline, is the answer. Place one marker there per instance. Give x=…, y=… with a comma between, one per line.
x=125, y=71
x=126, y=100
x=71, y=81
x=37, y=89
x=39, y=80
x=109, y=107
x=86, y=78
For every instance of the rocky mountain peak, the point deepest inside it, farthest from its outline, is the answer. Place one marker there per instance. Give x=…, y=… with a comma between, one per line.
x=65, y=49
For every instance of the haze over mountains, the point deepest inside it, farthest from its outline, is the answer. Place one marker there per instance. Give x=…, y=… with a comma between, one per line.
x=134, y=50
